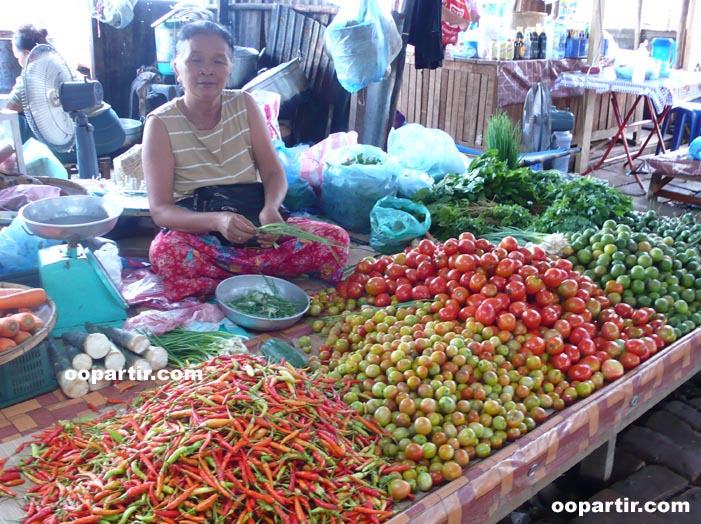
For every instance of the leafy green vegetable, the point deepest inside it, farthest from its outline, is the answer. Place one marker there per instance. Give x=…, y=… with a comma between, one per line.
x=504, y=137
x=478, y=217
x=581, y=203
x=361, y=159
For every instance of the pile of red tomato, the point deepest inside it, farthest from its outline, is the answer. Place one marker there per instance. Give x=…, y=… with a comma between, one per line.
x=520, y=291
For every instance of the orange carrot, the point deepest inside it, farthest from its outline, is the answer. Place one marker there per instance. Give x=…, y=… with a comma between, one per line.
x=8, y=327
x=32, y=297
x=25, y=320
x=21, y=336
x=6, y=343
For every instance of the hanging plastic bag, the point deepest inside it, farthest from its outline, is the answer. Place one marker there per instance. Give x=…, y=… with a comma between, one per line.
x=355, y=178
x=432, y=151
x=392, y=36
x=396, y=222
x=356, y=41
x=300, y=195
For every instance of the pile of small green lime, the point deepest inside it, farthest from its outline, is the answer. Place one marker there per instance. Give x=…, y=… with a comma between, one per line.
x=642, y=269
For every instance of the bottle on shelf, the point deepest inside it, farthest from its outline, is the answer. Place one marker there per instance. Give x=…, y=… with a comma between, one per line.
x=542, y=43
x=535, y=47
x=518, y=44
x=527, y=44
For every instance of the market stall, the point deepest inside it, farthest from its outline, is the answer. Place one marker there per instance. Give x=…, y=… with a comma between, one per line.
x=460, y=97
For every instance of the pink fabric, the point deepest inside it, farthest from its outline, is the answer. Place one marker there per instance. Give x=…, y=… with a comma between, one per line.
x=311, y=161
x=193, y=265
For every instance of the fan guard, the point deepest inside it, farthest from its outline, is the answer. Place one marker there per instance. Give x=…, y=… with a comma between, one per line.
x=536, y=118
x=43, y=75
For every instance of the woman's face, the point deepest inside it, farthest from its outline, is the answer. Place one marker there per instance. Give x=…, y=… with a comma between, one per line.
x=203, y=65
x=20, y=55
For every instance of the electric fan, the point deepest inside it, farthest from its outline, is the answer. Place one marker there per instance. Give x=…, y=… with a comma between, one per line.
x=541, y=121
x=55, y=100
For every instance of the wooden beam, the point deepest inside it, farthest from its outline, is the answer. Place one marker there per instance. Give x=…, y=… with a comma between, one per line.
x=584, y=127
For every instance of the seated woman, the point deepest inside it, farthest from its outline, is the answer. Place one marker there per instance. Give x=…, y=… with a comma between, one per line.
x=108, y=131
x=213, y=136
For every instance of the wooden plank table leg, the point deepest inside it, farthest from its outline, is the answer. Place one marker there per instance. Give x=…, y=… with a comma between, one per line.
x=598, y=466
x=584, y=131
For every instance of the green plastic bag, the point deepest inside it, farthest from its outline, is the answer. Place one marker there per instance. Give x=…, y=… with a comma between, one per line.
x=395, y=222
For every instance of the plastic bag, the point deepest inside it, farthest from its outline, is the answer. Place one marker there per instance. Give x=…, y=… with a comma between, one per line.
x=108, y=255
x=20, y=249
x=396, y=222
x=355, y=178
x=411, y=181
x=13, y=198
x=432, y=151
x=312, y=161
x=695, y=149
x=355, y=40
x=39, y=160
x=392, y=36
x=300, y=194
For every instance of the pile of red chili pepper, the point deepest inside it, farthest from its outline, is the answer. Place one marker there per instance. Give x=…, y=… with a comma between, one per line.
x=249, y=443
x=8, y=478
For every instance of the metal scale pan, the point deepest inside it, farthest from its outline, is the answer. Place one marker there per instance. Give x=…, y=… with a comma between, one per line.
x=70, y=273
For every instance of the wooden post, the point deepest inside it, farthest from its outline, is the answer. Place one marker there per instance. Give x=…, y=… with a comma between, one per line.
x=685, y=35
x=584, y=127
x=598, y=466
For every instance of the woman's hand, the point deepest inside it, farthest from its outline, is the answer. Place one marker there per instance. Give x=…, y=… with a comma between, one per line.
x=269, y=216
x=236, y=228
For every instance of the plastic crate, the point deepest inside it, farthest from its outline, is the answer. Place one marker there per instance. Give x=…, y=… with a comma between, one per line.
x=27, y=376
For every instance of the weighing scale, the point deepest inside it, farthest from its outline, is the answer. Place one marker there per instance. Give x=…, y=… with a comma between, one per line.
x=70, y=273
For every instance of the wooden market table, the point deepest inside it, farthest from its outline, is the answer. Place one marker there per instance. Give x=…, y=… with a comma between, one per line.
x=491, y=488
x=658, y=96
x=667, y=167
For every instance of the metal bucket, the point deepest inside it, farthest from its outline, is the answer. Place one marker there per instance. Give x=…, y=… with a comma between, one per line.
x=244, y=66
x=287, y=79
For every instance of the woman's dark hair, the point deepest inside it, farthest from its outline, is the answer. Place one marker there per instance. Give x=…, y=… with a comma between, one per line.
x=205, y=27
x=27, y=37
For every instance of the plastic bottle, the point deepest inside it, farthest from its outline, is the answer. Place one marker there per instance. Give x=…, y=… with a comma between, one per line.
x=518, y=44
x=527, y=44
x=542, y=43
x=640, y=64
x=535, y=47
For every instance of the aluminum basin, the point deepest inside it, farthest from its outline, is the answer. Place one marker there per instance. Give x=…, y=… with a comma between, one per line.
x=71, y=218
x=241, y=284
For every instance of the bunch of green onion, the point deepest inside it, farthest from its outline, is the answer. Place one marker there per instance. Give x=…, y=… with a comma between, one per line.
x=186, y=348
x=289, y=230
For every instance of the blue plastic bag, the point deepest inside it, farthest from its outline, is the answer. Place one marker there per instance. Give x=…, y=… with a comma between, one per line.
x=355, y=178
x=695, y=149
x=396, y=222
x=20, y=249
x=411, y=181
x=300, y=195
x=432, y=151
x=356, y=41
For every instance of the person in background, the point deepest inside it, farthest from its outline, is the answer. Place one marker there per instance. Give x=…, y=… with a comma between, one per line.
x=108, y=131
x=457, y=15
x=214, y=136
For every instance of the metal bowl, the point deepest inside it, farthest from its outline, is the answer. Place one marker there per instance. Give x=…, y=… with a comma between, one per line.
x=241, y=284
x=71, y=218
